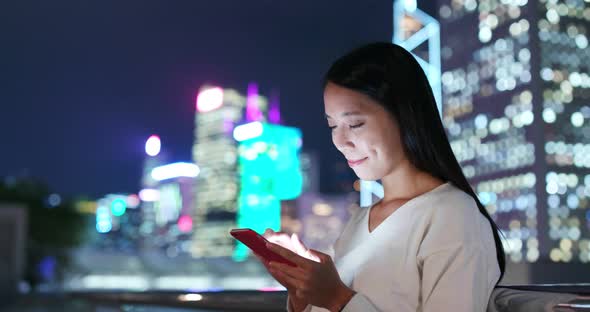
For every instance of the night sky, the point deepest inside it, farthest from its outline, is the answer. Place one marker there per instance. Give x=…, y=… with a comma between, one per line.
x=84, y=83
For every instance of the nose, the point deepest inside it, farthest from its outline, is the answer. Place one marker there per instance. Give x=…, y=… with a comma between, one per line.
x=341, y=140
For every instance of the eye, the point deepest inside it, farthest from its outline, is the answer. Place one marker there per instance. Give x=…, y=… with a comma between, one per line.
x=332, y=127
x=356, y=126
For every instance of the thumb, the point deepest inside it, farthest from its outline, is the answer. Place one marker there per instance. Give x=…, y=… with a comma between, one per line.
x=321, y=257
x=298, y=245
x=268, y=232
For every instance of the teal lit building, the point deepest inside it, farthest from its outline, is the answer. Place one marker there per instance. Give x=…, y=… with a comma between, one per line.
x=269, y=171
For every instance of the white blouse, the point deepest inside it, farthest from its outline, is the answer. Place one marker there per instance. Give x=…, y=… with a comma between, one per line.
x=434, y=253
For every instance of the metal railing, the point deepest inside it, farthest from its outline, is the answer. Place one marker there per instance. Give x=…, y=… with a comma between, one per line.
x=547, y=297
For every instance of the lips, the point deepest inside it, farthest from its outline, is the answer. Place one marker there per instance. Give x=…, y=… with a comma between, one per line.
x=353, y=163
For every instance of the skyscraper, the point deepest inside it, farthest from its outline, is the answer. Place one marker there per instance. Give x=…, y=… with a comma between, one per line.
x=270, y=172
x=515, y=89
x=148, y=194
x=217, y=187
x=174, y=206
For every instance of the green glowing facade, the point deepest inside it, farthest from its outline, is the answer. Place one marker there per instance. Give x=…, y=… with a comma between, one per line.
x=269, y=172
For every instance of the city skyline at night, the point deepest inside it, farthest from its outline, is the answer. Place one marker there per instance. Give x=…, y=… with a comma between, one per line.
x=515, y=105
x=85, y=98
x=137, y=134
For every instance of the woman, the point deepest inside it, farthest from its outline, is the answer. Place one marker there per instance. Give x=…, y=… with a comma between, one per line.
x=429, y=244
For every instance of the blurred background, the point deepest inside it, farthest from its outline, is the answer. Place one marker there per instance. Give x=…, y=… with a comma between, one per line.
x=136, y=134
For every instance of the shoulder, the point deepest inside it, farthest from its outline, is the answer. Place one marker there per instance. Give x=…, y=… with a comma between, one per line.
x=453, y=218
x=451, y=204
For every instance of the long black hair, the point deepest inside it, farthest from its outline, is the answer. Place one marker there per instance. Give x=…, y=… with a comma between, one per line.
x=391, y=76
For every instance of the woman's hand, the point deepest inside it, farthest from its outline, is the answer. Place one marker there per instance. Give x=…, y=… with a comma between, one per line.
x=291, y=242
x=297, y=304
x=316, y=282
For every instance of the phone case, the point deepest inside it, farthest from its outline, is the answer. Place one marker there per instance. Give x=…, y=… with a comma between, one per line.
x=257, y=243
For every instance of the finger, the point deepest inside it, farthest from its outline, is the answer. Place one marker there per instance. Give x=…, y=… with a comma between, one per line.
x=281, y=280
x=261, y=259
x=281, y=239
x=286, y=280
x=295, y=272
x=288, y=254
x=268, y=232
x=313, y=257
x=322, y=257
x=298, y=245
x=300, y=248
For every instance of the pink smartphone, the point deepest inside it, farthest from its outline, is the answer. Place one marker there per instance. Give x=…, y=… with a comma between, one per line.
x=257, y=243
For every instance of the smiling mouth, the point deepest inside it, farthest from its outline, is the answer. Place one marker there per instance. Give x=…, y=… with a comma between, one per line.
x=353, y=163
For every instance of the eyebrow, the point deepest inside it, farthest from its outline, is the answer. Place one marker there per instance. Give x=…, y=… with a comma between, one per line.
x=346, y=114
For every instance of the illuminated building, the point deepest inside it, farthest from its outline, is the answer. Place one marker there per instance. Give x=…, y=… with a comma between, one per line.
x=154, y=158
x=216, y=152
x=242, y=153
x=516, y=92
x=310, y=174
x=323, y=217
x=319, y=218
x=310, y=170
x=117, y=221
x=173, y=206
x=269, y=172
x=167, y=201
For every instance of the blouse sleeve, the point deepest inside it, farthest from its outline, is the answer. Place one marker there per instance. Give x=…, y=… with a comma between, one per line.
x=359, y=303
x=455, y=279
x=457, y=258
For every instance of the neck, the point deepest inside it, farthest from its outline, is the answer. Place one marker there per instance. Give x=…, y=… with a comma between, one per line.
x=406, y=182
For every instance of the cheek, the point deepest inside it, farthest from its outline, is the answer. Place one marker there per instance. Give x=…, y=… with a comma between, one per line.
x=376, y=146
x=384, y=150
x=365, y=145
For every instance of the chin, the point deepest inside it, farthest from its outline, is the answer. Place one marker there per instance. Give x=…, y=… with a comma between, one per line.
x=367, y=175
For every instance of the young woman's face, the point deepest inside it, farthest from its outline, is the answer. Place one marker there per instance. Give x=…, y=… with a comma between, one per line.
x=363, y=131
